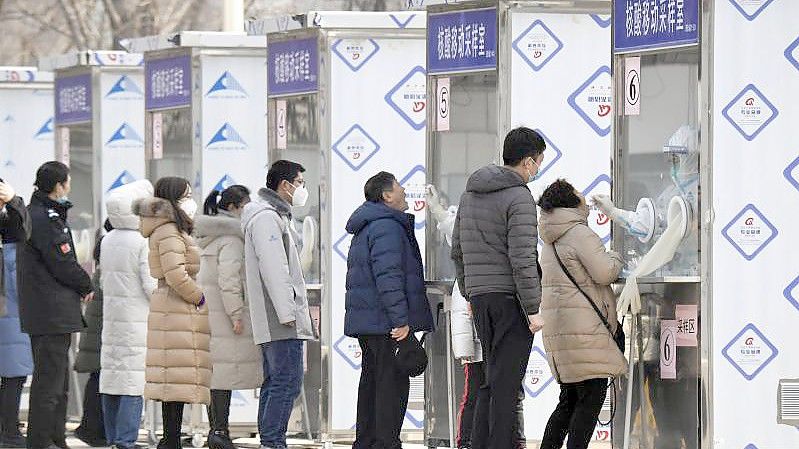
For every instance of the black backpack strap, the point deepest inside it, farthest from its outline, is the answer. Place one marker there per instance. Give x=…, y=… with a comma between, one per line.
x=588, y=298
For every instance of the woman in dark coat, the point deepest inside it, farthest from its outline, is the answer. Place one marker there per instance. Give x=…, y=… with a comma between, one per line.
x=92, y=429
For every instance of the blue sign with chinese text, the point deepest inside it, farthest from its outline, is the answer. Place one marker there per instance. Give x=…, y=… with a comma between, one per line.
x=167, y=83
x=462, y=41
x=653, y=24
x=73, y=99
x=293, y=67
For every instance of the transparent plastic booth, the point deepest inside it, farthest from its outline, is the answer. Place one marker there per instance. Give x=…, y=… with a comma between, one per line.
x=205, y=102
x=26, y=125
x=99, y=129
x=703, y=177
x=205, y=108
x=346, y=100
x=493, y=66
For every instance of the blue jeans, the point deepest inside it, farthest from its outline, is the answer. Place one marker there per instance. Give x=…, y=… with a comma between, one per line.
x=122, y=419
x=283, y=373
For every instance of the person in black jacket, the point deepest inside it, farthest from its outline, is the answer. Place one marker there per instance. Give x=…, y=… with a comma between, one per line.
x=51, y=286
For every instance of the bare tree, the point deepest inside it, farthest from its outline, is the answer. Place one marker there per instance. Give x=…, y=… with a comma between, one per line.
x=36, y=28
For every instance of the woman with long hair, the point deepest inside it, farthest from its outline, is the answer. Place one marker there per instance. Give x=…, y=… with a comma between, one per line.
x=234, y=354
x=178, y=335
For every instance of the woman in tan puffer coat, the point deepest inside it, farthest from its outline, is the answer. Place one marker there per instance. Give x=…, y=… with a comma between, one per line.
x=178, y=335
x=581, y=351
x=236, y=357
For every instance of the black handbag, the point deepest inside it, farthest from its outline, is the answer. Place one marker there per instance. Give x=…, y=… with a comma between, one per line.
x=617, y=336
x=411, y=356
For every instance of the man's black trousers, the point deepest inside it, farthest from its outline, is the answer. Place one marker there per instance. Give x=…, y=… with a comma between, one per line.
x=48, y=398
x=382, y=395
x=506, y=339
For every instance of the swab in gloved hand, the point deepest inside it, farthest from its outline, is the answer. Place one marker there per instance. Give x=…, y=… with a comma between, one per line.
x=662, y=252
x=639, y=223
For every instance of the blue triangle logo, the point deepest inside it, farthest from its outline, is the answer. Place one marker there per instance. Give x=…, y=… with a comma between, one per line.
x=226, y=134
x=224, y=183
x=47, y=128
x=124, y=85
x=227, y=82
x=125, y=132
x=124, y=178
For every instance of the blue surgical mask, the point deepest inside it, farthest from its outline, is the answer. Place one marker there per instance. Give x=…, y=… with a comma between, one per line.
x=537, y=174
x=63, y=200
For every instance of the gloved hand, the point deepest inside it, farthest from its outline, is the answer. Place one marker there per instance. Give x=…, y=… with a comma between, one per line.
x=605, y=204
x=434, y=203
x=639, y=223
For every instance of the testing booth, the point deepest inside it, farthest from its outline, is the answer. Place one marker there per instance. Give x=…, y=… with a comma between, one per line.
x=204, y=114
x=346, y=99
x=705, y=95
x=205, y=108
x=26, y=125
x=26, y=134
x=99, y=129
x=493, y=66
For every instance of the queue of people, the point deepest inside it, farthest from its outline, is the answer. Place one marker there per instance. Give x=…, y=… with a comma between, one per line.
x=185, y=308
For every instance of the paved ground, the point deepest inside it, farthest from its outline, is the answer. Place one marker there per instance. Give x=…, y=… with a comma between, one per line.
x=251, y=443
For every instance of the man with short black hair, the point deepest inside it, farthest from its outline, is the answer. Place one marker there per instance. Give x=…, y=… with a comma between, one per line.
x=51, y=287
x=386, y=303
x=494, y=246
x=277, y=296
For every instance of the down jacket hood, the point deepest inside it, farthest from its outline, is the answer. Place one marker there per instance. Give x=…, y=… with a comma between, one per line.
x=120, y=203
x=493, y=178
x=208, y=228
x=369, y=212
x=552, y=225
x=154, y=212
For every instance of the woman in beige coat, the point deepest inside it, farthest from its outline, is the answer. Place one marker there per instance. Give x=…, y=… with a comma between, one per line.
x=581, y=351
x=178, y=336
x=235, y=356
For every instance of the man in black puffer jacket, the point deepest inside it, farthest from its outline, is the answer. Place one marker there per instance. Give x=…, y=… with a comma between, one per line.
x=494, y=246
x=51, y=287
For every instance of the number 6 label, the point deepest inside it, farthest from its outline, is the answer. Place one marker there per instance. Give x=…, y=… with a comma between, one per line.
x=632, y=85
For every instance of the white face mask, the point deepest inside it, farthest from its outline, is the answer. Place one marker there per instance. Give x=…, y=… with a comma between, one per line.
x=299, y=197
x=189, y=206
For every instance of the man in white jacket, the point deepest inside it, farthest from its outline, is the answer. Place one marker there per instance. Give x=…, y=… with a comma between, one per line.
x=277, y=295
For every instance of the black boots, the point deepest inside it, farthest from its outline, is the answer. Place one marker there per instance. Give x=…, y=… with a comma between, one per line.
x=173, y=421
x=218, y=413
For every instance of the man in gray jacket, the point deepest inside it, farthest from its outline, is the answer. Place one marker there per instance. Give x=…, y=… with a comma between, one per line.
x=277, y=296
x=494, y=245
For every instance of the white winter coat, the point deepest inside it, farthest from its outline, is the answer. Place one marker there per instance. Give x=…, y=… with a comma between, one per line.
x=127, y=287
x=465, y=343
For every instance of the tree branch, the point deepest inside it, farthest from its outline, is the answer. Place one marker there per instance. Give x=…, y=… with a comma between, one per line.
x=43, y=23
x=113, y=16
x=73, y=29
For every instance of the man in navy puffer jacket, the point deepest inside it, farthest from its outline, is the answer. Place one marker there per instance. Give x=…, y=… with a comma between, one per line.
x=385, y=303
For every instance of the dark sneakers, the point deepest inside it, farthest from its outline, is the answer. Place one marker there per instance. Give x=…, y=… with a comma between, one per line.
x=14, y=440
x=91, y=440
x=220, y=439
